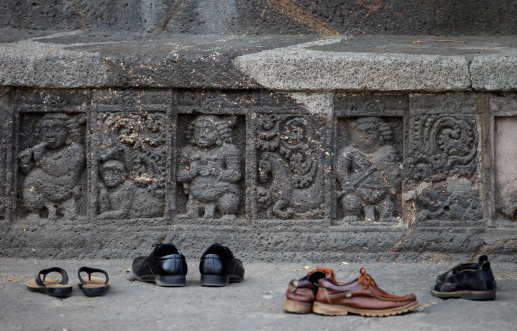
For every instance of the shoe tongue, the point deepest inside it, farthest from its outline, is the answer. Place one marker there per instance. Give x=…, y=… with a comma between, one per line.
x=329, y=273
x=165, y=249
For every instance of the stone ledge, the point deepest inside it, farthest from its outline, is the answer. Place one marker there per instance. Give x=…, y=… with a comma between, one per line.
x=290, y=63
x=388, y=63
x=89, y=60
x=283, y=242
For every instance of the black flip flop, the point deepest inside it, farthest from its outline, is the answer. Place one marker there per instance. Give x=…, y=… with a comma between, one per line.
x=50, y=286
x=93, y=286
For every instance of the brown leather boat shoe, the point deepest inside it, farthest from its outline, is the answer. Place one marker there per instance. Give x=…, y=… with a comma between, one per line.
x=301, y=293
x=361, y=296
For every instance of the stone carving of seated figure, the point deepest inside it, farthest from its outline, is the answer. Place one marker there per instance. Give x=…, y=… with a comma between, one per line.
x=120, y=198
x=368, y=171
x=53, y=168
x=210, y=168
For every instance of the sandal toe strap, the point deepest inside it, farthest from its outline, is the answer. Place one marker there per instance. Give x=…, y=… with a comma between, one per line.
x=90, y=271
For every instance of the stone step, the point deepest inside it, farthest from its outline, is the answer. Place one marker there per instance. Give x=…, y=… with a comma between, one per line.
x=287, y=63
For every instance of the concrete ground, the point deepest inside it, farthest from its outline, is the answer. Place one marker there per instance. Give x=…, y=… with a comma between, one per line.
x=255, y=304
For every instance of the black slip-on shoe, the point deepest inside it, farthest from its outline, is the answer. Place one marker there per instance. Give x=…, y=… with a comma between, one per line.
x=166, y=266
x=468, y=284
x=465, y=266
x=218, y=267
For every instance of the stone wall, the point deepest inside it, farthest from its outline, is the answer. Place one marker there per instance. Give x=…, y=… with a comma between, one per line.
x=408, y=17
x=102, y=172
x=274, y=126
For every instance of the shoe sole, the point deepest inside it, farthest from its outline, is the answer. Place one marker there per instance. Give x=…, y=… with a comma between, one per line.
x=338, y=310
x=219, y=280
x=165, y=281
x=469, y=295
x=297, y=307
x=94, y=286
x=52, y=288
x=53, y=291
x=214, y=280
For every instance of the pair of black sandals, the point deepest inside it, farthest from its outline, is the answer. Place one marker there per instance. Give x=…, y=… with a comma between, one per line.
x=471, y=280
x=91, y=286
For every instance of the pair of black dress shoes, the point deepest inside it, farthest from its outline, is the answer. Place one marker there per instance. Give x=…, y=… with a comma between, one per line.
x=473, y=281
x=166, y=266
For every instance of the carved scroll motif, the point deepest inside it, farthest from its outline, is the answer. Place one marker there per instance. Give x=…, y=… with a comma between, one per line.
x=290, y=176
x=442, y=145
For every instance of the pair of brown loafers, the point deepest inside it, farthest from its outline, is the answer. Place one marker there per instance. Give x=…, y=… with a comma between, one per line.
x=320, y=293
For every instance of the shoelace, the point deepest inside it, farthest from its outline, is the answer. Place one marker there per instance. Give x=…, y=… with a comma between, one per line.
x=365, y=279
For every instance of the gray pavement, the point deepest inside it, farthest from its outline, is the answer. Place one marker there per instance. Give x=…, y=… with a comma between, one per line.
x=255, y=304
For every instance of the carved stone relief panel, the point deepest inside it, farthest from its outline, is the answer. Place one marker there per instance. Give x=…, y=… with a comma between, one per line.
x=130, y=166
x=51, y=154
x=368, y=163
x=290, y=180
x=505, y=155
x=289, y=159
x=210, y=167
x=368, y=169
x=443, y=137
x=442, y=158
x=210, y=159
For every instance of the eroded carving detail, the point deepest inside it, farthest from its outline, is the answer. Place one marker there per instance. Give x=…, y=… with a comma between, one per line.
x=368, y=171
x=210, y=168
x=290, y=172
x=133, y=166
x=438, y=204
x=441, y=145
x=54, y=166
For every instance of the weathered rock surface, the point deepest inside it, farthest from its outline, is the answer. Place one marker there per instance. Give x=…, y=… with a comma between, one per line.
x=300, y=147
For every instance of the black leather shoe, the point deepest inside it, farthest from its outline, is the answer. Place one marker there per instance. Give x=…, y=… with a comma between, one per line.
x=463, y=266
x=468, y=284
x=166, y=266
x=219, y=267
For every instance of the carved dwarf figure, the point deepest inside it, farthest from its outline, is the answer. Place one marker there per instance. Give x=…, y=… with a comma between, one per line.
x=120, y=198
x=210, y=168
x=368, y=171
x=53, y=168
